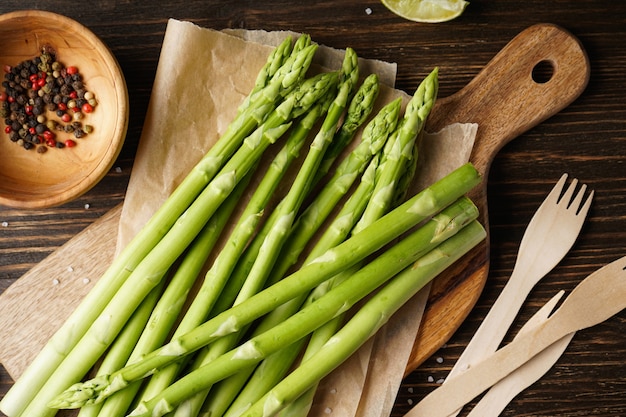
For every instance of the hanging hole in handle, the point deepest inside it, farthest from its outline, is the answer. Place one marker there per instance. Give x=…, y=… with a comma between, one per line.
x=543, y=72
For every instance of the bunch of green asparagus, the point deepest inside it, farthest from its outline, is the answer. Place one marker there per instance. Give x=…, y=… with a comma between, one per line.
x=267, y=319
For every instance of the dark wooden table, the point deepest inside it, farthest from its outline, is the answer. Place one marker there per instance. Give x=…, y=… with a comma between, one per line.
x=586, y=140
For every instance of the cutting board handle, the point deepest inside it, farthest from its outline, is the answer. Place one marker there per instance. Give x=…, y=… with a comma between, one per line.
x=537, y=74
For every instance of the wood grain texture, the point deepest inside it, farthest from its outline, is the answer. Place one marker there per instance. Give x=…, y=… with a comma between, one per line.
x=587, y=139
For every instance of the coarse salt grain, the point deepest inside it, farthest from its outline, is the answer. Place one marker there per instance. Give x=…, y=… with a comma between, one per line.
x=333, y=391
x=86, y=280
x=431, y=379
x=118, y=169
x=409, y=401
x=5, y=224
x=70, y=269
x=55, y=282
x=328, y=410
x=440, y=380
x=368, y=11
x=410, y=389
x=439, y=360
x=87, y=206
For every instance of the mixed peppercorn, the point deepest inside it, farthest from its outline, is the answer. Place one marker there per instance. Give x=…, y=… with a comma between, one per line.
x=37, y=90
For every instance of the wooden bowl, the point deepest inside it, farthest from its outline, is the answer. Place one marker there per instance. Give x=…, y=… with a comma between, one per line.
x=30, y=179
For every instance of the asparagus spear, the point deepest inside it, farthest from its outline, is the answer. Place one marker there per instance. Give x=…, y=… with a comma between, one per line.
x=221, y=269
x=54, y=352
x=338, y=300
x=400, y=158
x=285, y=214
x=359, y=110
x=367, y=320
x=120, y=351
x=244, y=267
x=279, y=363
x=402, y=145
x=271, y=370
x=398, y=221
x=162, y=256
x=274, y=61
x=162, y=318
x=372, y=140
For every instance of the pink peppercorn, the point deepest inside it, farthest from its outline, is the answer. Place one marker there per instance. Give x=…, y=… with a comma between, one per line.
x=48, y=135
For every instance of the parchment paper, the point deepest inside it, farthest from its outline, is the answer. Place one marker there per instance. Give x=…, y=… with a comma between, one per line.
x=202, y=77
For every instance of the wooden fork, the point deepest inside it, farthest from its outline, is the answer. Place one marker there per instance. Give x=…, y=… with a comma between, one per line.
x=597, y=298
x=550, y=234
x=500, y=395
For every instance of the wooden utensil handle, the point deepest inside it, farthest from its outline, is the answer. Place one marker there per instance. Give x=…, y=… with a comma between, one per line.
x=537, y=74
x=461, y=389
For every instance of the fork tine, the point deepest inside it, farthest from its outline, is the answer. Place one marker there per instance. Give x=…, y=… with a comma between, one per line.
x=567, y=196
x=553, y=196
x=585, y=208
x=575, y=204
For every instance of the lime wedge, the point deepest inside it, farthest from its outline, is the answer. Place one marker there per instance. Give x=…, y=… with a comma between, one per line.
x=427, y=11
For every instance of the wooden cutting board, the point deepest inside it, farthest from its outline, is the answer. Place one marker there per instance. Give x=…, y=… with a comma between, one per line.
x=504, y=100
